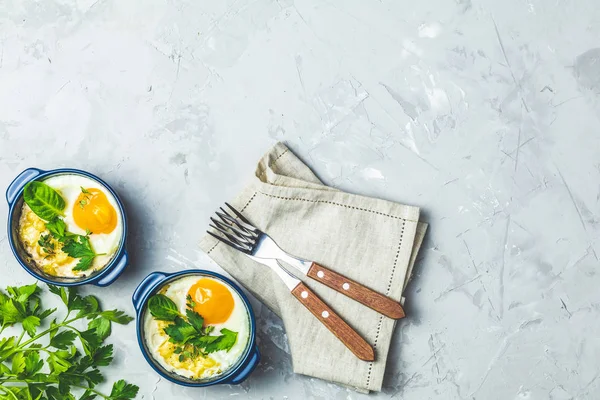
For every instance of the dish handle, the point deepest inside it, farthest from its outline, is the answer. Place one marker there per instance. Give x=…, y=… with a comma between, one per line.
x=247, y=369
x=21, y=180
x=115, y=271
x=145, y=287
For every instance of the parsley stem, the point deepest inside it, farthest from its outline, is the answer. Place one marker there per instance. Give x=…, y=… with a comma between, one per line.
x=67, y=316
x=39, y=335
x=5, y=390
x=97, y=393
x=20, y=338
x=31, y=349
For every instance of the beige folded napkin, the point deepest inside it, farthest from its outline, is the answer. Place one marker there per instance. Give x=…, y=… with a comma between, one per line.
x=371, y=241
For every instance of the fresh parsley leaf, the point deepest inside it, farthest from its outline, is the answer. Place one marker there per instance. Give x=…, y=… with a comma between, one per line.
x=52, y=393
x=4, y=370
x=18, y=363
x=84, y=263
x=7, y=344
x=93, y=303
x=12, y=312
x=43, y=200
x=226, y=341
x=102, y=327
x=87, y=395
x=203, y=341
x=33, y=363
x=116, y=316
x=162, y=308
x=63, y=340
x=122, y=390
x=180, y=331
x=195, y=319
x=103, y=356
x=93, y=377
x=74, y=300
x=58, y=362
x=78, y=247
x=60, y=292
x=90, y=341
x=30, y=323
x=57, y=227
x=46, y=313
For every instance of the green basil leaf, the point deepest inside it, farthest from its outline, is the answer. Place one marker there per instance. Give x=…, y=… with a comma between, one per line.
x=162, y=308
x=44, y=201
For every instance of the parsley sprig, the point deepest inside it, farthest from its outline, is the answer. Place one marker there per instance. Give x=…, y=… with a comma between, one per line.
x=76, y=246
x=188, y=332
x=31, y=370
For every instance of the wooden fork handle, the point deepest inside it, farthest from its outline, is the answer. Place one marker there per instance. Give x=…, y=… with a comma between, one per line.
x=356, y=291
x=353, y=341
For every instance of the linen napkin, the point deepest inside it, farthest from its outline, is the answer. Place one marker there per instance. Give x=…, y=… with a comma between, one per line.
x=371, y=241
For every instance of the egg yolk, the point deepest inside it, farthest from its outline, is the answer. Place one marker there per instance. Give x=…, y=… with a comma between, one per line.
x=92, y=211
x=213, y=300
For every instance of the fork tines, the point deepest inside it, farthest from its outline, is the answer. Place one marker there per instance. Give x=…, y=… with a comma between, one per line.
x=239, y=232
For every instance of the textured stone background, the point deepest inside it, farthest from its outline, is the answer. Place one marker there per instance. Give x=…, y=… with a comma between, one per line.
x=485, y=113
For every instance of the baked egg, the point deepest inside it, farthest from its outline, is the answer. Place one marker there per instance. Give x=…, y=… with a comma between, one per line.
x=222, y=310
x=90, y=211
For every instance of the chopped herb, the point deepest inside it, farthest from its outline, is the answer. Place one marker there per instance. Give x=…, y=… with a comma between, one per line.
x=84, y=190
x=47, y=244
x=82, y=203
x=190, y=303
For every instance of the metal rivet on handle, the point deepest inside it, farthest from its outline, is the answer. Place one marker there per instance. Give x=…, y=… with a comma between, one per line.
x=304, y=294
x=325, y=314
x=346, y=286
x=320, y=274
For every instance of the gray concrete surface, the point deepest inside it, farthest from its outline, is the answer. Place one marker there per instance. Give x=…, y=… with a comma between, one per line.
x=484, y=113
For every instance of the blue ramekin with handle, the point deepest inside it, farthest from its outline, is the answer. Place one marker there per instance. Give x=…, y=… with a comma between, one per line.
x=234, y=375
x=14, y=197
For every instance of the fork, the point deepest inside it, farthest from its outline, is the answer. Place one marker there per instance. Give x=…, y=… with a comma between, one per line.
x=244, y=237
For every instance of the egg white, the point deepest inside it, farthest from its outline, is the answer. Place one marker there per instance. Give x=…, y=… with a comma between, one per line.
x=69, y=186
x=238, y=322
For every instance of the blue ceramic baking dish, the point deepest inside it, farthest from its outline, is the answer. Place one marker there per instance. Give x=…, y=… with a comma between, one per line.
x=106, y=275
x=237, y=373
